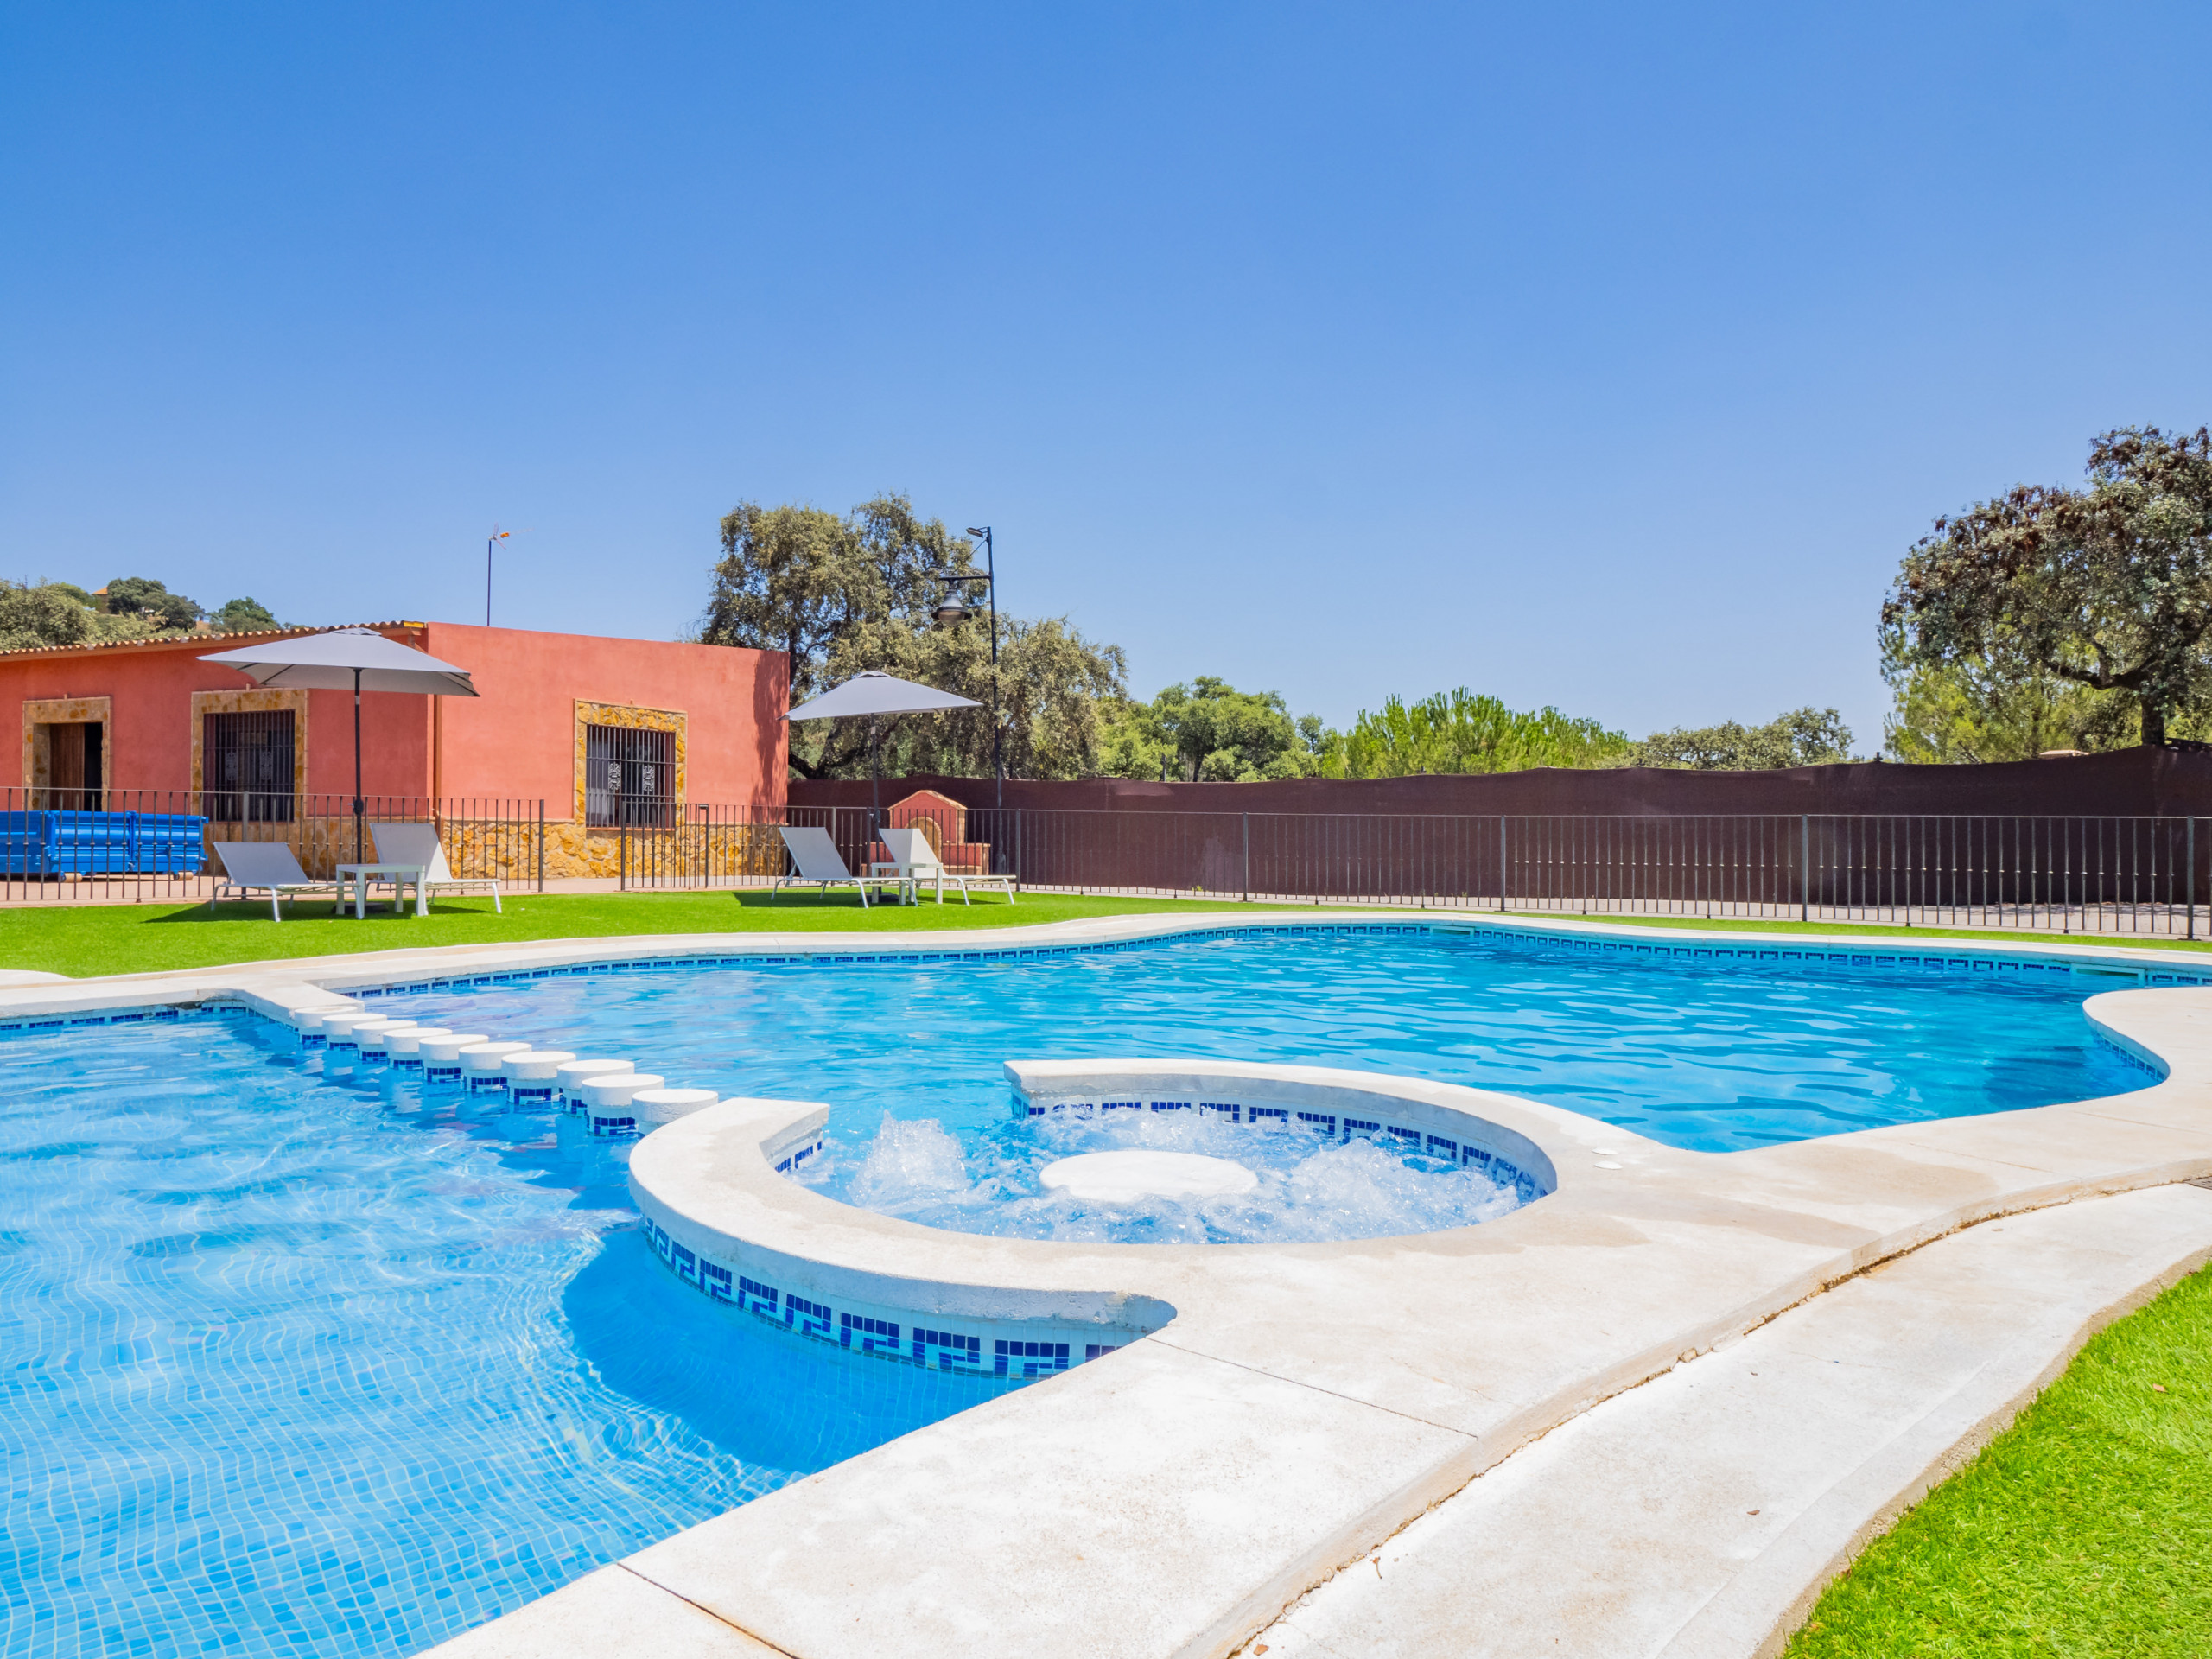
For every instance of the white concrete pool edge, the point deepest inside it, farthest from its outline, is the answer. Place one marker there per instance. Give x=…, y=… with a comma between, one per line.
x=1308, y=1400
x=378, y=969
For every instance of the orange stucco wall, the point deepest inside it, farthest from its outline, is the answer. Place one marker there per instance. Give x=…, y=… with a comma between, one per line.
x=514, y=741
x=518, y=738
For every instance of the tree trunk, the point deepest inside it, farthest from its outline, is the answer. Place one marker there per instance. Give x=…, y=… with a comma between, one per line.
x=2154, y=725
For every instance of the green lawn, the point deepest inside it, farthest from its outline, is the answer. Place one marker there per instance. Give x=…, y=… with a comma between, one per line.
x=2083, y=1532
x=144, y=938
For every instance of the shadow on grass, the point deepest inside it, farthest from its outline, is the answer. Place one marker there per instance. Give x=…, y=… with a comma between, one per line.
x=318, y=913
x=761, y=902
x=314, y=911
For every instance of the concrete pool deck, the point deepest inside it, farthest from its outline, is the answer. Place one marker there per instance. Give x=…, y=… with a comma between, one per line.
x=1204, y=1489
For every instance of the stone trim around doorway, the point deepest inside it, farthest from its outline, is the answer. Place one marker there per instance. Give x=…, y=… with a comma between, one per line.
x=39, y=712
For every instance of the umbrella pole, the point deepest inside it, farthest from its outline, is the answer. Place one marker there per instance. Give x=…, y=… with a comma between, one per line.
x=358, y=843
x=875, y=783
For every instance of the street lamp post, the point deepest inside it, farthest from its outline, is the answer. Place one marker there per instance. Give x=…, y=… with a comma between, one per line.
x=491, y=542
x=951, y=609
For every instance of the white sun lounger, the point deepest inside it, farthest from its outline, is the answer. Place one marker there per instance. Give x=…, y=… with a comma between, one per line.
x=912, y=857
x=418, y=845
x=816, y=864
x=252, y=866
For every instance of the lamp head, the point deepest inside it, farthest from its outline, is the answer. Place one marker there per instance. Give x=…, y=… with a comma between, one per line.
x=972, y=531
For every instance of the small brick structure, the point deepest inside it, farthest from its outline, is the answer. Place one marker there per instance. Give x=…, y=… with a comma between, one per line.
x=944, y=823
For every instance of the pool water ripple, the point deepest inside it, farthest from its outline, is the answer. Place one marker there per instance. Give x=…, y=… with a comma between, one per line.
x=290, y=1364
x=1709, y=1057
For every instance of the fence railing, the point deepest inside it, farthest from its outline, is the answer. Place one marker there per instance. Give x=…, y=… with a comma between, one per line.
x=2070, y=875
x=71, y=846
x=2116, y=875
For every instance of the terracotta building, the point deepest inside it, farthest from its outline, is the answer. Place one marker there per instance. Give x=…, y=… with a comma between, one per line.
x=597, y=734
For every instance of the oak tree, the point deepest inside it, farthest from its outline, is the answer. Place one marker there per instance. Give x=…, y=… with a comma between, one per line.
x=2108, y=587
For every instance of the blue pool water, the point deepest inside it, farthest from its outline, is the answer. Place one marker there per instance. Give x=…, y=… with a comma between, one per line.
x=298, y=1364
x=288, y=1365
x=1714, y=1057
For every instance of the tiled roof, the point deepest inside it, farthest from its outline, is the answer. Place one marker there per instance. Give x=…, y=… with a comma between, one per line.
x=192, y=638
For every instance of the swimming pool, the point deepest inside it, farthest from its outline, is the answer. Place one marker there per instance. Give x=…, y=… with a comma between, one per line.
x=293, y=1365
x=1709, y=1055
x=300, y=1362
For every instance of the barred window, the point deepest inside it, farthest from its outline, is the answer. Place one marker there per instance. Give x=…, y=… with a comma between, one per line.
x=629, y=775
x=246, y=767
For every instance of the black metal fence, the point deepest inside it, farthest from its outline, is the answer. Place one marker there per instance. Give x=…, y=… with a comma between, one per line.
x=2116, y=875
x=76, y=846
x=2134, y=875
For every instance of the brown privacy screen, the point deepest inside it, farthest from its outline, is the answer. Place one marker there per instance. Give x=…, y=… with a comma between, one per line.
x=2114, y=842
x=2133, y=783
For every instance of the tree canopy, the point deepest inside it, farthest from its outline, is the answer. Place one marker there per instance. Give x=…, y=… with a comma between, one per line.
x=842, y=594
x=1209, y=731
x=143, y=596
x=1462, y=732
x=48, y=613
x=1802, y=737
x=2108, y=588
x=1975, y=710
x=243, y=616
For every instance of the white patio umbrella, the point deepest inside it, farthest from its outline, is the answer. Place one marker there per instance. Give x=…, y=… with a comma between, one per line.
x=869, y=695
x=348, y=656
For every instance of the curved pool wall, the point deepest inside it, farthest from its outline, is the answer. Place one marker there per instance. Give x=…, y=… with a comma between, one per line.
x=721, y=1216
x=1266, y=1103
x=1764, y=1228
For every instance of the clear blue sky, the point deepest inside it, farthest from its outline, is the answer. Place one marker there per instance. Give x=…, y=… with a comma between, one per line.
x=1606, y=357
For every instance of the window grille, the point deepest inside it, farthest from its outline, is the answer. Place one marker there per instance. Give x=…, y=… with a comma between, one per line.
x=246, y=767
x=629, y=775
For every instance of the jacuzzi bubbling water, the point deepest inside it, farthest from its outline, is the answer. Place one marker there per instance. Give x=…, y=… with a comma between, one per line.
x=1305, y=1189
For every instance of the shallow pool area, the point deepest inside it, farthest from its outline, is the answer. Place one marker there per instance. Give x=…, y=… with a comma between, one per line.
x=292, y=1363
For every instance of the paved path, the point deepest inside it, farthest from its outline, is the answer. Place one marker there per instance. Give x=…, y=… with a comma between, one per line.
x=1696, y=1517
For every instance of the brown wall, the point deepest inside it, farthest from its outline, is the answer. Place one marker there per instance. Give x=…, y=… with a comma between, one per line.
x=2146, y=782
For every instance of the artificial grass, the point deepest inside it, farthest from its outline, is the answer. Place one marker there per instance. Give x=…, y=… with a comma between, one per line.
x=2082, y=1532
x=88, y=939
x=85, y=939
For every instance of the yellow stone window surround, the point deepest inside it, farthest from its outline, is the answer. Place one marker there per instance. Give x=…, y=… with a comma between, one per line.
x=637, y=719
x=256, y=701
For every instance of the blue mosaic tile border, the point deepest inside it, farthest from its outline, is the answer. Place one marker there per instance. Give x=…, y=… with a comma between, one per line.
x=164, y=1014
x=1327, y=1126
x=970, y=1352
x=1933, y=960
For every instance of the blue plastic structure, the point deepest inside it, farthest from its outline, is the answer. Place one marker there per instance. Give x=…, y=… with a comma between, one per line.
x=102, y=843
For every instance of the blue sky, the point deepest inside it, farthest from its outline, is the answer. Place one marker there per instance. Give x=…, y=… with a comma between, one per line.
x=1606, y=357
